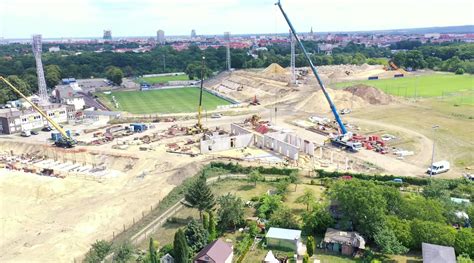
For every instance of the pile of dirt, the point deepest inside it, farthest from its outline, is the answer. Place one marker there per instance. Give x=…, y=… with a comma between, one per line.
x=274, y=68
x=370, y=94
x=317, y=103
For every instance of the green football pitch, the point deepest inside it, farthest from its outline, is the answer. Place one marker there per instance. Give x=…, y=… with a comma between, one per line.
x=162, y=79
x=175, y=100
x=433, y=85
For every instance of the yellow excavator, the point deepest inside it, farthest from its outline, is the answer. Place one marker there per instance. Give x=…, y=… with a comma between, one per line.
x=198, y=127
x=64, y=140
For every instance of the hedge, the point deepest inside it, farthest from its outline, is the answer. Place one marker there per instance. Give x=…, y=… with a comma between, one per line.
x=239, y=169
x=389, y=178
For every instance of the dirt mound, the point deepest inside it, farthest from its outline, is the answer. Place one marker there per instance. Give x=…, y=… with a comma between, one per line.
x=274, y=68
x=370, y=94
x=317, y=103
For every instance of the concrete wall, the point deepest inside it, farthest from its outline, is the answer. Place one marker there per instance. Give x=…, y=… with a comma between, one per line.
x=305, y=146
x=216, y=144
x=281, y=147
x=237, y=130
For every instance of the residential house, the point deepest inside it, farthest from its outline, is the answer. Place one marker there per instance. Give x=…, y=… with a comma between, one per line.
x=344, y=242
x=216, y=252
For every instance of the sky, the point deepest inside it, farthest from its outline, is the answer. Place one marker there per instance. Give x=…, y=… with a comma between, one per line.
x=88, y=18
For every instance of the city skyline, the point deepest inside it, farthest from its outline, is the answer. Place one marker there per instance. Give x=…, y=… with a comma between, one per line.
x=74, y=18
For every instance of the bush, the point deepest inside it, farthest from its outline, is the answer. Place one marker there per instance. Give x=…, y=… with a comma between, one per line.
x=387, y=179
x=459, y=71
x=237, y=168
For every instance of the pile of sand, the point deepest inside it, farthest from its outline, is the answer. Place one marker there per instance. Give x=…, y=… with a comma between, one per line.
x=317, y=103
x=370, y=94
x=274, y=68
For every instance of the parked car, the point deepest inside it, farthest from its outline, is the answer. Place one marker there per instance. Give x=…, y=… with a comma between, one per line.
x=46, y=129
x=438, y=167
x=34, y=133
x=216, y=116
x=25, y=134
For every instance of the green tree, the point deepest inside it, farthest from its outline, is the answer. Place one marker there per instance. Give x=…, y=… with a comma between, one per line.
x=310, y=246
x=6, y=93
x=387, y=241
x=436, y=189
x=282, y=187
x=464, y=242
x=200, y=196
x=123, y=253
x=317, y=220
x=306, y=198
x=253, y=228
x=283, y=217
x=402, y=230
x=230, y=212
x=196, y=236
x=432, y=232
x=363, y=204
x=358, y=59
x=294, y=179
x=464, y=258
x=152, y=254
x=254, y=176
x=205, y=220
x=52, y=75
x=212, y=227
x=267, y=205
x=415, y=206
x=114, y=74
x=100, y=249
x=180, y=248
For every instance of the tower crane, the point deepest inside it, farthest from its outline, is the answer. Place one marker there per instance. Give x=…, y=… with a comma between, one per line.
x=65, y=141
x=343, y=138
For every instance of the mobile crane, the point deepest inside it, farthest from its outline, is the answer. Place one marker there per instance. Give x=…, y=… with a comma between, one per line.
x=343, y=139
x=64, y=140
x=198, y=127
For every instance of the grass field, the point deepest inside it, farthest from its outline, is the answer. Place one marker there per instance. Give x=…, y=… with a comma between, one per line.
x=161, y=101
x=162, y=79
x=461, y=87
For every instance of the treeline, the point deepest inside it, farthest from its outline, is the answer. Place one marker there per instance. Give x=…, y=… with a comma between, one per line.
x=17, y=60
x=454, y=57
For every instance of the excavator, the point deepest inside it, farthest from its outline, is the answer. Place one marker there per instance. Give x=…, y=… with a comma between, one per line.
x=198, y=127
x=342, y=140
x=64, y=141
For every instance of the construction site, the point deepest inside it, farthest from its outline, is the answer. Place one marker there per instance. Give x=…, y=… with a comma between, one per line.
x=91, y=179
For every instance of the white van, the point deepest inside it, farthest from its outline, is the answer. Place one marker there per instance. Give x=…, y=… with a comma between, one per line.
x=438, y=167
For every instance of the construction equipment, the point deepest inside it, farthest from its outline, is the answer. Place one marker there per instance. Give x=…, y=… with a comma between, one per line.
x=64, y=140
x=253, y=120
x=198, y=127
x=255, y=101
x=342, y=139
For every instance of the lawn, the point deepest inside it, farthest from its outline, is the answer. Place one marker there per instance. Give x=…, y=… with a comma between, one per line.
x=434, y=85
x=162, y=79
x=161, y=101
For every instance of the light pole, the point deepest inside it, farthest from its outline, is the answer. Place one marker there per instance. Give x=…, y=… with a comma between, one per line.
x=435, y=127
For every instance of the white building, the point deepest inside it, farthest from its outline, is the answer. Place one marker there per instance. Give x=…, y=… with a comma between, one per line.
x=54, y=49
x=15, y=120
x=70, y=95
